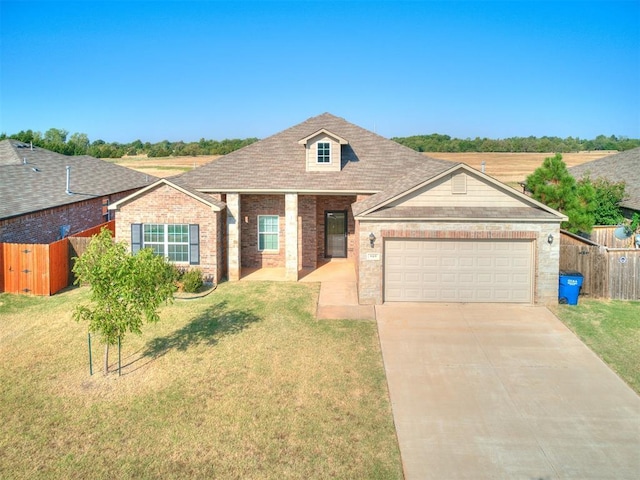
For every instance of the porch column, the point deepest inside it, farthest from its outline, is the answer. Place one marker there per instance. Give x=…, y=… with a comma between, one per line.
x=291, y=236
x=233, y=235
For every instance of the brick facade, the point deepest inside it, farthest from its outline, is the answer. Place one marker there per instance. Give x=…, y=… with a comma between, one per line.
x=311, y=245
x=165, y=204
x=334, y=202
x=44, y=226
x=545, y=264
x=307, y=228
x=250, y=207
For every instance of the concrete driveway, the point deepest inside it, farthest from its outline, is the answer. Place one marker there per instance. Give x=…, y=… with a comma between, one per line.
x=503, y=392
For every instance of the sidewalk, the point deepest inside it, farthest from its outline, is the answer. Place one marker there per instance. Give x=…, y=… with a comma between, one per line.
x=338, y=292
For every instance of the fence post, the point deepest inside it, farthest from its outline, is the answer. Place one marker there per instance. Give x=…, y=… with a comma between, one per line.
x=119, y=359
x=90, y=360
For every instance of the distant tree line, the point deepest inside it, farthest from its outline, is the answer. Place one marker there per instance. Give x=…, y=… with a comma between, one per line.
x=444, y=143
x=59, y=140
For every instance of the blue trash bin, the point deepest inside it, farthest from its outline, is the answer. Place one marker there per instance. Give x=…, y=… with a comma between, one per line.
x=570, y=283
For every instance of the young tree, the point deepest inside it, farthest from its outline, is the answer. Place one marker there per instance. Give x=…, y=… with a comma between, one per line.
x=126, y=290
x=552, y=185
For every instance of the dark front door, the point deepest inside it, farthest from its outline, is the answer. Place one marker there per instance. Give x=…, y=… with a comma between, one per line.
x=335, y=234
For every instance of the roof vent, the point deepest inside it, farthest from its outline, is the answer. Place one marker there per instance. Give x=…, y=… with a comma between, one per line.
x=24, y=160
x=459, y=183
x=67, y=191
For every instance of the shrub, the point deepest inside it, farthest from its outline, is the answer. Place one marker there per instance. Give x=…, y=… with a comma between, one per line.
x=192, y=281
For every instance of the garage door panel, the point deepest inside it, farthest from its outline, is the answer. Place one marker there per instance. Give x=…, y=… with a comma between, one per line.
x=458, y=270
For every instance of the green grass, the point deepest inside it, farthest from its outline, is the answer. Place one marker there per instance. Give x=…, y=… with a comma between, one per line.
x=243, y=383
x=612, y=330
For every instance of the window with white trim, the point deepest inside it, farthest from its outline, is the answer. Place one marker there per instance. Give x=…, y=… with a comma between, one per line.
x=324, y=152
x=178, y=242
x=268, y=232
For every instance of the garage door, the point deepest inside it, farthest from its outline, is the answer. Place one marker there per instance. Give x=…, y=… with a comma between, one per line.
x=457, y=270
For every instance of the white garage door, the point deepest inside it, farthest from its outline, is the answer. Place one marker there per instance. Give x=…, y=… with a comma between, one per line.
x=457, y=270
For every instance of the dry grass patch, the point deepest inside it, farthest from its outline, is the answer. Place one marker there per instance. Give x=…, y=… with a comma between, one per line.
x=515, y=167
x=164, y=167
x=243, y=383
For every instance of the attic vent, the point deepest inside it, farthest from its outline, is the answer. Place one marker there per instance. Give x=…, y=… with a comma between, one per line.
x=459, y=183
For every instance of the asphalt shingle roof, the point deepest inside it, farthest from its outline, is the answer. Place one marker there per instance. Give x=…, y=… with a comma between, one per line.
x=369, y=162
x=620, y=167
x=453, y=213
x=36, y=179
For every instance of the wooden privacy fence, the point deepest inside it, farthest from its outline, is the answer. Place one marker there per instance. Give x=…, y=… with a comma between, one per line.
x=42, y=269
x=608, y=272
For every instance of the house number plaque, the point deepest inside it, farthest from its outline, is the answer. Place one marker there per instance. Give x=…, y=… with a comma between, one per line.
x=373, y=256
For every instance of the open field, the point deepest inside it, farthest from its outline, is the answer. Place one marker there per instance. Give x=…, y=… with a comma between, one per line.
x=515, y=167
x=164, y=166
x=243, y=383
x=506, y=167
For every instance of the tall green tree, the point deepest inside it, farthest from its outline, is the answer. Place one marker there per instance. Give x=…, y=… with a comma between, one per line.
x=56, y=136
x=553, y=185
x=606, y=200
x=126, y=290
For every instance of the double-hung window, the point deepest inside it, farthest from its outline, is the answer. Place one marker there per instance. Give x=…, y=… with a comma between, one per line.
x=268, y=232
x=324, y=152
x=177, y=242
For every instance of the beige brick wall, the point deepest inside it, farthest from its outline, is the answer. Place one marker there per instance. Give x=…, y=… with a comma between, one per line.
x=165, y=204
x=546, y=257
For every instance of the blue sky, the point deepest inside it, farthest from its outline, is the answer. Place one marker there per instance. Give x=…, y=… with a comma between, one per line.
x=121, y=71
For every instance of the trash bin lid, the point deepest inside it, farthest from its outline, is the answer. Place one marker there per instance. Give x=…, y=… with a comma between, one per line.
x=570, y=273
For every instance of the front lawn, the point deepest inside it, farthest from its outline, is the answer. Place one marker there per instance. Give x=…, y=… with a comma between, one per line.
x=611, y=328
x=243, y=383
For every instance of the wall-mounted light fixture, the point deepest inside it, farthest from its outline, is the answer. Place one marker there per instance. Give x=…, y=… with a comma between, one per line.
x=550, y=239
x=372, y=239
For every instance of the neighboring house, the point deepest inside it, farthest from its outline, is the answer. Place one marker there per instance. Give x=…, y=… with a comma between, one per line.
x=620, y=167
x=45, y=196
x=417, y=228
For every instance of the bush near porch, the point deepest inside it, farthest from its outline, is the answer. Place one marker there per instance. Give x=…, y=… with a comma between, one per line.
x=243, y=383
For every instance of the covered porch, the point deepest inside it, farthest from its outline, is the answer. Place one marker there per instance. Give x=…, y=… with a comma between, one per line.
x=328, y=270
x=288, y=236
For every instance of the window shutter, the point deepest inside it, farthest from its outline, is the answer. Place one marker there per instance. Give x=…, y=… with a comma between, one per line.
x=194, y=244
x=136, y=237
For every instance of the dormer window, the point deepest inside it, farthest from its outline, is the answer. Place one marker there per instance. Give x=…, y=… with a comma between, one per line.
x=324, y=152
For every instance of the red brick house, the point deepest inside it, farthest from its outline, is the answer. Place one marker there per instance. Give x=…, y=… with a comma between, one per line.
x=45, y=196
x=416, y=228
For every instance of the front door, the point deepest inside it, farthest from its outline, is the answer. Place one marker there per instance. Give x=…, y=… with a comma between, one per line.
x=335, y=234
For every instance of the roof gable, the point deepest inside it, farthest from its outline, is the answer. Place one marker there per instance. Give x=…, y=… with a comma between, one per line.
x=418, y=194
x=215, y=205
x=323, y=132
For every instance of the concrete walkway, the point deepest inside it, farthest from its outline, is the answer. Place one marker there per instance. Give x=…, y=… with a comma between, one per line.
x=338, y=292
x=503, y=392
